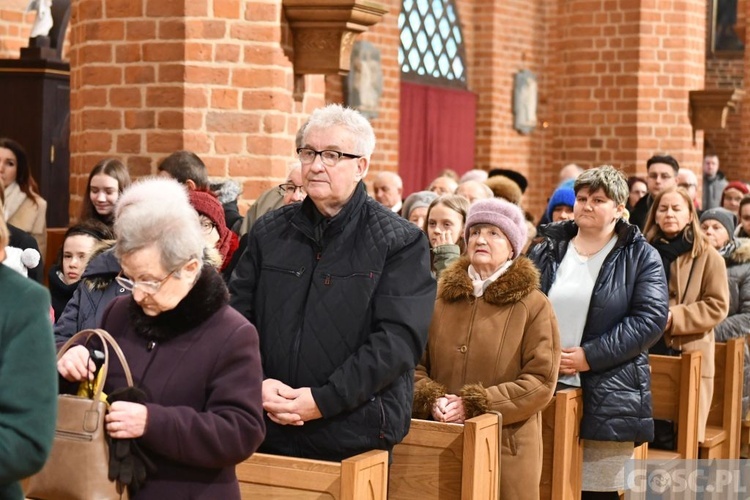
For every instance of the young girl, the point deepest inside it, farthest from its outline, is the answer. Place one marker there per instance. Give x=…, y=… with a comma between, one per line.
x=78, y=244
x=106, y=182
x=444, y=225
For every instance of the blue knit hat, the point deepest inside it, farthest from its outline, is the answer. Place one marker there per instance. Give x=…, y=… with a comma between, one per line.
x=561, y=196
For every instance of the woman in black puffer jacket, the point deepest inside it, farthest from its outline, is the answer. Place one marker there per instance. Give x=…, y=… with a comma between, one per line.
x=609, y=292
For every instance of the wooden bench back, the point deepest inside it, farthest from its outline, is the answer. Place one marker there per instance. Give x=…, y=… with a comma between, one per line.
x=675, y=385
x=448, y=461
x=273, y=477
x=726, y=405
x=562, y=459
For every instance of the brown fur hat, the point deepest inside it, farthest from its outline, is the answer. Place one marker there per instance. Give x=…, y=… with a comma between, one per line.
x=502, y=187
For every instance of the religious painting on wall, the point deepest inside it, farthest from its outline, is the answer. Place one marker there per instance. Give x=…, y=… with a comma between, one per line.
x=525, y=98
x=365, y=80
x=727, y=35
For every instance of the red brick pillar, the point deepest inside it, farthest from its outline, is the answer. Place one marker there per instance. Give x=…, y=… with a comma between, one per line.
x=624, y=70
x=213, y=76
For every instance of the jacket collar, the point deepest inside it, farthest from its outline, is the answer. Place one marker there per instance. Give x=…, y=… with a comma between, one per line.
x=563, y=232
x=517, y=282
x=739, y=253
x=208, y=295
x=302, y=220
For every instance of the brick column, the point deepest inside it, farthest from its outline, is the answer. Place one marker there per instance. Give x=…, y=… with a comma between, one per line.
x=213, y=76
x=625, y=70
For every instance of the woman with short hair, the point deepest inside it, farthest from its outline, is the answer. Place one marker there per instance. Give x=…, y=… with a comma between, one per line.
x=195, y=358
x=609, y=293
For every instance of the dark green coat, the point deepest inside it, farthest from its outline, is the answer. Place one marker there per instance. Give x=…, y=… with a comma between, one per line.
x=28, y=377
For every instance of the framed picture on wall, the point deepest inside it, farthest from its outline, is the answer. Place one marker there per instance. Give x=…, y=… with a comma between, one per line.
x=727, y=34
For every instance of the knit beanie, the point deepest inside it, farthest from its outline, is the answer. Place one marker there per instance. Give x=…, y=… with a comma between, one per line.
x=502, y=214
x=723, y=216
x=561, y=196
x=206, y=203
x=420, y=199
x=503, y=187
x=738, y=185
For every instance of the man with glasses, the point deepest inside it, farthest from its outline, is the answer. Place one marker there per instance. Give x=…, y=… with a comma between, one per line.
x=292, y=191
x=687, y=180
x=340, y=290
x=662, y=174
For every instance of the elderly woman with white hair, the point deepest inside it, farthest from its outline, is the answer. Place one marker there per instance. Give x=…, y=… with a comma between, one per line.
x=493, y=343
x=194, y=358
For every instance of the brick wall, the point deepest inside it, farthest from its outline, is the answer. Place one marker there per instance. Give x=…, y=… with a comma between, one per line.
x=212, y=76
x=15, y=27
x=625, y=71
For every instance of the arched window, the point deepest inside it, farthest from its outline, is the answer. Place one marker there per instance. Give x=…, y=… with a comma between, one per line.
x=432, y=45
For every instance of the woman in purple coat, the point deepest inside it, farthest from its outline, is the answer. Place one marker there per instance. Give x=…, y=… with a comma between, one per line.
x=194, y=359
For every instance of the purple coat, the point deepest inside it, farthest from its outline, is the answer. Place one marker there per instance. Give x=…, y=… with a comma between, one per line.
x=204, y=391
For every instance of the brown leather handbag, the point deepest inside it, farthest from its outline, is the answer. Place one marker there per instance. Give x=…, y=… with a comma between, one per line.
x=78, y=464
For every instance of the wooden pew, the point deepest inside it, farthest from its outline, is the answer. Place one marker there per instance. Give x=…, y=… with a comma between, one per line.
x=273, y=477
x=675, y=385
x=724, y=418
x=562, y=462
x=448, y=461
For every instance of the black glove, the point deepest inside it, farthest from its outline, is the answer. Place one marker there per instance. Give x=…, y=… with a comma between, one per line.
x=128, y=464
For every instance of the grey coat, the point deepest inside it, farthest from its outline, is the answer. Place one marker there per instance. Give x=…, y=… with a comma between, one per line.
x=737, y=324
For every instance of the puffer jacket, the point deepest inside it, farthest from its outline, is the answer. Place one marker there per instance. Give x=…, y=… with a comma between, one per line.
x=95, y=291
x=345, y=311
x=737, y=324
x=627, y=314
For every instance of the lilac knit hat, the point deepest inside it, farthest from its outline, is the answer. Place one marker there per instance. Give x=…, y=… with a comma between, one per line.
x=502, y=214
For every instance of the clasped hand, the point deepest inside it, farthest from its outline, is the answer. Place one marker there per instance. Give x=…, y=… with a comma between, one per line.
x=288, y=406
x=573, y=360
x=449, y=408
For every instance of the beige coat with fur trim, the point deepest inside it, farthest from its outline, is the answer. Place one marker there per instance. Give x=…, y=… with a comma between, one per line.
x=698, y=301
x=32, y=218
x=499, y=352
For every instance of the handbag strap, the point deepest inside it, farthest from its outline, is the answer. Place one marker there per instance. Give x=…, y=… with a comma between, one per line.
x=107, y=340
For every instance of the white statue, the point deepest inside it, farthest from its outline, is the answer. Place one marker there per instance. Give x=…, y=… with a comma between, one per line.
x=43, y=21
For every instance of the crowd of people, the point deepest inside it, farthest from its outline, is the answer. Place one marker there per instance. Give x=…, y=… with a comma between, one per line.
x=322, y=321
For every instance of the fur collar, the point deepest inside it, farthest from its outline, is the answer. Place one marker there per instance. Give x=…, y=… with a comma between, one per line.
x=741, y=253
x=517, y=282
x=208, y=295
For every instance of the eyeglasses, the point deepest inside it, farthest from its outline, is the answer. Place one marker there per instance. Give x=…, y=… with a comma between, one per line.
x=207, y=226
x=148, y=287
x=291, y=188
x=329, y=157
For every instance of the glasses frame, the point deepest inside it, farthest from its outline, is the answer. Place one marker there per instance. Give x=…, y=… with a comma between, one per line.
x=147, y=287
x=283, y=188
x=339, y=156
x=208, y=221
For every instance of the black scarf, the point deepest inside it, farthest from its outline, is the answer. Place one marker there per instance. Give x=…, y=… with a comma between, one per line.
x=208, y=295
x=670, y=249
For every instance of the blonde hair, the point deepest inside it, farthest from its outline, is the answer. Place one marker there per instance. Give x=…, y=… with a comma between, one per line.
x=693, y=231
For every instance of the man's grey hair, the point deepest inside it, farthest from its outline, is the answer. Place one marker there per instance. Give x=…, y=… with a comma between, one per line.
x=475, y=174
x=482, y=186
x=392, y=176
x=335, y=115
x=157, y=212
x=608, y=179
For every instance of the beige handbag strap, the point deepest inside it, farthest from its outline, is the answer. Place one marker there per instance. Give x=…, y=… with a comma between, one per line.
x=107, y=340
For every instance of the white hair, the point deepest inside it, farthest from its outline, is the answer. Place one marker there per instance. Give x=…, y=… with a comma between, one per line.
x=157, y=211
x=475, y=174
x=335, y=115
x=390, y=176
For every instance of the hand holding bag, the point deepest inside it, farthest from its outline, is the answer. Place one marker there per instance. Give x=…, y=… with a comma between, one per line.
x=78, y=464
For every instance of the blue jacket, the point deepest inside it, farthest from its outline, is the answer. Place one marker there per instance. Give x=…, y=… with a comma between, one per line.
x=626, y=316
x=343, y=309
x=95, y=291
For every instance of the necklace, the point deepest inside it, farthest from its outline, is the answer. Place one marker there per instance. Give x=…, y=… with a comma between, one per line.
x=586, y=255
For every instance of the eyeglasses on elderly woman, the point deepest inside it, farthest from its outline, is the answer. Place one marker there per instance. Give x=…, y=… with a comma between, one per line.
x=147, y=287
